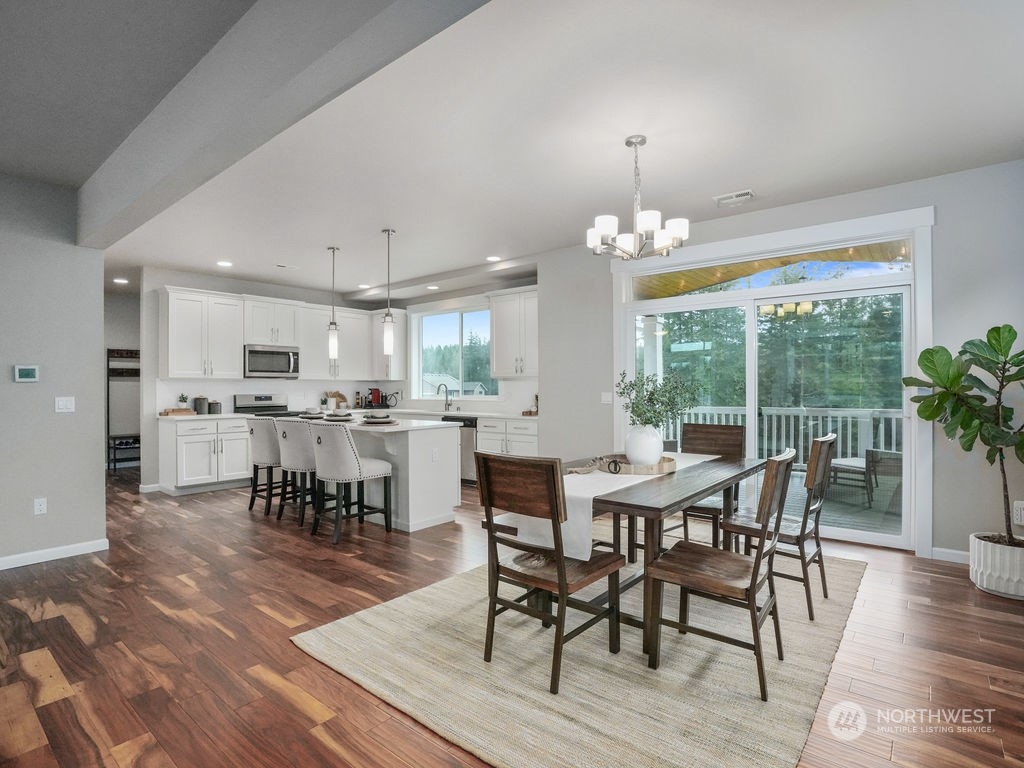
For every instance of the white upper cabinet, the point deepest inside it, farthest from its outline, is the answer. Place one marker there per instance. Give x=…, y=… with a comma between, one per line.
x=353, y=361
x=514, y=334
x=201, y=335
x=313, y=360
x=389, y=367
x=271, y=322
x=353, y=345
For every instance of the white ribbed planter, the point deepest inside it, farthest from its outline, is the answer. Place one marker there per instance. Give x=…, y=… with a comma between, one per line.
x=997, y=568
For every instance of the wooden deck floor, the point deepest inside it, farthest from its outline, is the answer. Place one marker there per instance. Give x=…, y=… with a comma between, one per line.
x=172, y=648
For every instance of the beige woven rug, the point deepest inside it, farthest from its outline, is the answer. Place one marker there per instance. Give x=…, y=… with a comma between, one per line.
x=423, y=653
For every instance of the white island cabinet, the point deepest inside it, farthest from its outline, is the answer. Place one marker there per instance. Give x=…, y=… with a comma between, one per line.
x=426, y=477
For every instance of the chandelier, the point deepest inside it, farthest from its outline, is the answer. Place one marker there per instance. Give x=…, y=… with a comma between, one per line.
x=604, y=237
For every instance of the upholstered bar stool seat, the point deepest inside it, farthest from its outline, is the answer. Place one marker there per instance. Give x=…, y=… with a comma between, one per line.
x=338, y=461
x=266, y=455
x=296, y=444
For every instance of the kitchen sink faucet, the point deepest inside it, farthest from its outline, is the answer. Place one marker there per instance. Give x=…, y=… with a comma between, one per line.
x=447, y=395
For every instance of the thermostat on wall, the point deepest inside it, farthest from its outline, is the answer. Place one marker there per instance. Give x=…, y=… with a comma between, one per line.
x=26, y=372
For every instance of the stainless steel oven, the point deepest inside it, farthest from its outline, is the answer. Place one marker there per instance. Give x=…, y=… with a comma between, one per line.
x=271, y=362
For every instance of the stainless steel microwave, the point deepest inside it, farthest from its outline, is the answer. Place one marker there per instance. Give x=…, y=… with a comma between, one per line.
x=268, y=362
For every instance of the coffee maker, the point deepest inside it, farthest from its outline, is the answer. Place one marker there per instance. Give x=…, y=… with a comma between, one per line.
x=376, y=399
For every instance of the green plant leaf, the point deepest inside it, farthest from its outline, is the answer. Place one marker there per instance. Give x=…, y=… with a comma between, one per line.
x=913, y=381
x=935, y=362
x=1001, y=339
x=969, y=436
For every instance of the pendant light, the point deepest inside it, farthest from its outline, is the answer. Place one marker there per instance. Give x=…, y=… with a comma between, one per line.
x=389, y=319
x=332, y=327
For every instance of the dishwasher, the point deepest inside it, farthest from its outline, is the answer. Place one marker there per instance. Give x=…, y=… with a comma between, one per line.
x=467, y=441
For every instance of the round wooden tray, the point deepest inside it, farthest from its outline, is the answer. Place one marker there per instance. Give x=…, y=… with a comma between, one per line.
x=610, y=462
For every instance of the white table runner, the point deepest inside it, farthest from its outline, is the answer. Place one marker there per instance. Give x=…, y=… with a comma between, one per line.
x=580, y=490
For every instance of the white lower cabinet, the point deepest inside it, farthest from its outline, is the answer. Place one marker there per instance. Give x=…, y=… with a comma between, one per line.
x=517, y=437
x=204, y=451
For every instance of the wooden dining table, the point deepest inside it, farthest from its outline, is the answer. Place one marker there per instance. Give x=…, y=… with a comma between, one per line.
x=659, y=497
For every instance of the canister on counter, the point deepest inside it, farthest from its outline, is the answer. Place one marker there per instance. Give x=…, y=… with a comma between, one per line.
x=214, y=406
x=201, y=405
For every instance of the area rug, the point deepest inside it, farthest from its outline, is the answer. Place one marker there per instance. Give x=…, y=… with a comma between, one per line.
x=423, y=653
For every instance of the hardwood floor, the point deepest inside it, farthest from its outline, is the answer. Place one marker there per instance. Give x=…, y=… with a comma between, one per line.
x=172, y=648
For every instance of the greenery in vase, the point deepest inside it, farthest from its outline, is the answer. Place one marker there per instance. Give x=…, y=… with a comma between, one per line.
x=648, y=400
x=972, y=407
x=183, y=398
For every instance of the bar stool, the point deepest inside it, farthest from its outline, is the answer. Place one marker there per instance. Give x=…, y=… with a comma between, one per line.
x=338, y=461
x=266, y=454
x=296, y=444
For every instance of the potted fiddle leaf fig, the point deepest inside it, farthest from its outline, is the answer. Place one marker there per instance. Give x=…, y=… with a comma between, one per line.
x=651, y=403
x=970, y=394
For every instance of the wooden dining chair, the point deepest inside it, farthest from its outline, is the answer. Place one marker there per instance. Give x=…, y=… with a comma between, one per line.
x=799, y=536
x=723, y=576
x=725, y=440
x=546, y=576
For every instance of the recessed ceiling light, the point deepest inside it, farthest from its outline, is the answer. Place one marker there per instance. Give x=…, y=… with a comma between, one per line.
x=224, y=264
x=494, y=258
x=121, y=280
x=432, y=287
x=363, y=286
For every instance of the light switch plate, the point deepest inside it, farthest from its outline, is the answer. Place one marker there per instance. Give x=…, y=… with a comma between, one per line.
x=64, y=405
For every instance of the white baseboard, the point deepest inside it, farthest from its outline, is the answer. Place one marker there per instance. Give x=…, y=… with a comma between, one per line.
x=951, y=555
x=56, y=553
x=152, y=488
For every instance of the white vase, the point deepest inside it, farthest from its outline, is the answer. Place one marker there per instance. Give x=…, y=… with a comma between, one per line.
x=997, y=568
x=643, y=445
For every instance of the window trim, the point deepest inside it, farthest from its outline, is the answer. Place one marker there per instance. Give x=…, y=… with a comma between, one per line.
x=416, y=313
x=915, y=224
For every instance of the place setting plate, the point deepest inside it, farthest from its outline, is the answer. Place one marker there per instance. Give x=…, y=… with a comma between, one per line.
x=378, y=420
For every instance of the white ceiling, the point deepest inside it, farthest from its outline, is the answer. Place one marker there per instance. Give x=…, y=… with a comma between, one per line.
x=503, y=134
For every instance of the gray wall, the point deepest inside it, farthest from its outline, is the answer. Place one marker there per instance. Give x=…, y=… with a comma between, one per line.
x=574, y=291
x=121, y=321
x=51, y=312
x=978, y=278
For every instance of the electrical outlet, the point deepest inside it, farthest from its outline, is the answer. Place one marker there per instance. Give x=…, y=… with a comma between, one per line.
x=39, y=506
x=1018, y=513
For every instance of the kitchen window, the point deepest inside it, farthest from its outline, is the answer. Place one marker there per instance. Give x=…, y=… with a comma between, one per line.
x=454, y=350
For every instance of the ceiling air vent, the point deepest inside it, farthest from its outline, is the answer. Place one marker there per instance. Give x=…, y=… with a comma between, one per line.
x=731, y=199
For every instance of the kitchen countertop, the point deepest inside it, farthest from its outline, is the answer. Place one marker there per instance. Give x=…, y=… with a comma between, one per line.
x=403, y=413
x=463, y=412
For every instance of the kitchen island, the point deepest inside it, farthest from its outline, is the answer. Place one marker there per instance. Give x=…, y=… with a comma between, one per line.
x=425, y=478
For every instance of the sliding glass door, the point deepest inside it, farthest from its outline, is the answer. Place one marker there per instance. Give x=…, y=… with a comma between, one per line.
x=795, y=349
x=834, y=365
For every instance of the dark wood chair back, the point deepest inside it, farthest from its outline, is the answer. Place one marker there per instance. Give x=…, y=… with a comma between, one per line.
x=532, y=487
x=726, y=440
x=819, y=470
x=770, y=505
x=524, y=485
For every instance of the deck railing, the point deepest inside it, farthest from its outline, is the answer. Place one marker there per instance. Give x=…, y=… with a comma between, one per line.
x=857, y=429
